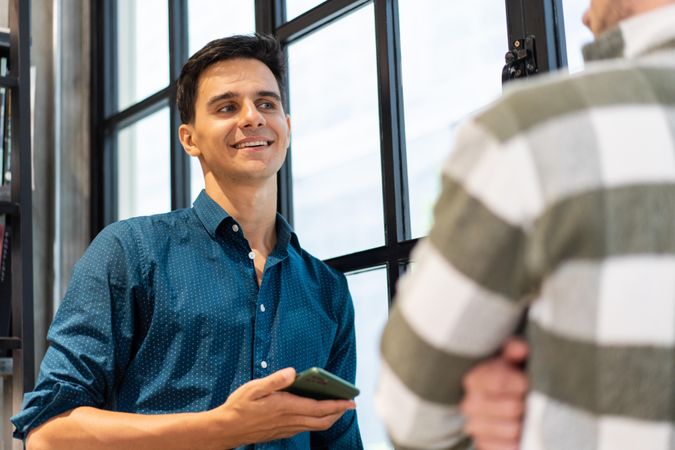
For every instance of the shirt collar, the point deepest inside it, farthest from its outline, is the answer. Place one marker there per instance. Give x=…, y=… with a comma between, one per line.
x=635, y=36
x=212, y=215
x=209, y=212
x=285, y=236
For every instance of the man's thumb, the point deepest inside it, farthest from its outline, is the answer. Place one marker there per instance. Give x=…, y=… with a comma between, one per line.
x=515, y=351
x=278, y=380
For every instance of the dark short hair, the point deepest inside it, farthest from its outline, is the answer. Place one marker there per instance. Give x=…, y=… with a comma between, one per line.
x=264, y=48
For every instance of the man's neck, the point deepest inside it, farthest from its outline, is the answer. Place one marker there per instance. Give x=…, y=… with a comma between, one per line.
x=253, y=206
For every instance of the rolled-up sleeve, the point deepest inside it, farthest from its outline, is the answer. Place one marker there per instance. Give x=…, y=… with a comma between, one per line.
x=91, y=336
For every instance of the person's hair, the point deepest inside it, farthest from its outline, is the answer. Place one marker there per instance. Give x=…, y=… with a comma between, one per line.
x=264, y=48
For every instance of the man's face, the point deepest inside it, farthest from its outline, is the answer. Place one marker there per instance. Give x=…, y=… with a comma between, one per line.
x=240, y=131
x=603, y=15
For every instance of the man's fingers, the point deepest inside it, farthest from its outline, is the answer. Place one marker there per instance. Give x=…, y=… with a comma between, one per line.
x=495, y=444
x=332, y=407
x=319, y=423
x=496, y=378
x=313, y=408
x=515, y=350
x=507, y=431
x=475, y=405
x=304, y=423
x=494, y=401
x=292, y=425
x=271, y=383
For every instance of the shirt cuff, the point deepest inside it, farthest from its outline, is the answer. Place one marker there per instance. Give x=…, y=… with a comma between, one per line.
x=40, y=406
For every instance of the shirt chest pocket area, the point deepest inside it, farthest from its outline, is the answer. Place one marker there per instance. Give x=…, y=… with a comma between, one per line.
x=306, y=335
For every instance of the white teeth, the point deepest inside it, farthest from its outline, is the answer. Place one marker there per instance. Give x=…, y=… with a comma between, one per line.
x=251, y=144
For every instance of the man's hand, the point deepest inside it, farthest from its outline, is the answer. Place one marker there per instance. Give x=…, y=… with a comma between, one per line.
x=260, y=412
x=494, y=402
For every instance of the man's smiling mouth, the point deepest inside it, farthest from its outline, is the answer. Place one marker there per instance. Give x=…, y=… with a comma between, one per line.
x=252, y=144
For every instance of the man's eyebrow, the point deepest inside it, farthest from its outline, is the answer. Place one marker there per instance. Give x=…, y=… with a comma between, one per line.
x=272, y=94
x=224, y=96
x=230, y=95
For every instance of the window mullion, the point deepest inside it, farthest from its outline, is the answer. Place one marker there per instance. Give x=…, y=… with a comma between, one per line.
x=178, y=54
x=392, y=146
x=106, y=154
x=270, y=15
x=394, y=173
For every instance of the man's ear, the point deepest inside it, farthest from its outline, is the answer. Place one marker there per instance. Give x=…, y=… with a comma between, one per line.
x=186, y=136
x=288, y=122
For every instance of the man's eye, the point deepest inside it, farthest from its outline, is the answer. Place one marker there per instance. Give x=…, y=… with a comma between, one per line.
x=227, y=108
x=266, y=105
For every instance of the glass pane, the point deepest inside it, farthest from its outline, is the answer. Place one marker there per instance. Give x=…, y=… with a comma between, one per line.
x=213, y=19
x=142, y=49
x=451, y=67
x=369, y=292
x=296, y=7
x=576, y=33
x=143, y=167
x=337, y=188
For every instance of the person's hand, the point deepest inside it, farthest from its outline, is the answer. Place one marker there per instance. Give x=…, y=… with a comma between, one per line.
x=258, y=411
x=494, y=399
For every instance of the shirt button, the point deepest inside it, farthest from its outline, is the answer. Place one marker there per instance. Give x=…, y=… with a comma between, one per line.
x=235, y=227
x=263, y=364
x=262, y=308
x=251, y=255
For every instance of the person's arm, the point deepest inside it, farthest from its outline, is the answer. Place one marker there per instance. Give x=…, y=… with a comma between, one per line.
x=256, y=412
x=494, y=399
x=466, y=293
x=91, y=336
x=344, y=434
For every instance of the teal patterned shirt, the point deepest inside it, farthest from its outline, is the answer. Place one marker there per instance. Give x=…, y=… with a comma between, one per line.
x=164, y=314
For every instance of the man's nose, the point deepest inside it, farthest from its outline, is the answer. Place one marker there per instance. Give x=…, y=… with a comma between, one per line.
x=250, y=116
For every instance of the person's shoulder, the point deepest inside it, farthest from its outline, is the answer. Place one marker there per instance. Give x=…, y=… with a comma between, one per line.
x=318, y=268
x=162, y=224
x=135, y=230
x=525, y=105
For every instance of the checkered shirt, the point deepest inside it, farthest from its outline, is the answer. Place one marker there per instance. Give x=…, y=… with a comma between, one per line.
x=559, y=197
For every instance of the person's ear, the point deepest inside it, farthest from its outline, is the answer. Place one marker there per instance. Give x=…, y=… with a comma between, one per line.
x=187, y=140
x=288, y=123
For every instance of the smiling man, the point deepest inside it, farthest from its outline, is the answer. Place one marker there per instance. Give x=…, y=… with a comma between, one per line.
x=179, y=330
x=560, y=197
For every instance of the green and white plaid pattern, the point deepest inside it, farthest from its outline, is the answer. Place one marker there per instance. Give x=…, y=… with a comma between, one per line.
x=560, y=197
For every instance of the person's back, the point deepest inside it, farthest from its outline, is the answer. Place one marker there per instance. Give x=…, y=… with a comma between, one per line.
x=562, y=197
x=601, y=248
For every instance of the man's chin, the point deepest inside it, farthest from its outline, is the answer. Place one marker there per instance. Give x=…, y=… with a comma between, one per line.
x=255, y=175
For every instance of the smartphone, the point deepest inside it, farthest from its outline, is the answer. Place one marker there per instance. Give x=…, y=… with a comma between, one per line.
x=320, y=384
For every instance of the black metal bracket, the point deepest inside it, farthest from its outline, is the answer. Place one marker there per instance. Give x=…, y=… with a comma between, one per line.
x=521, y=60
